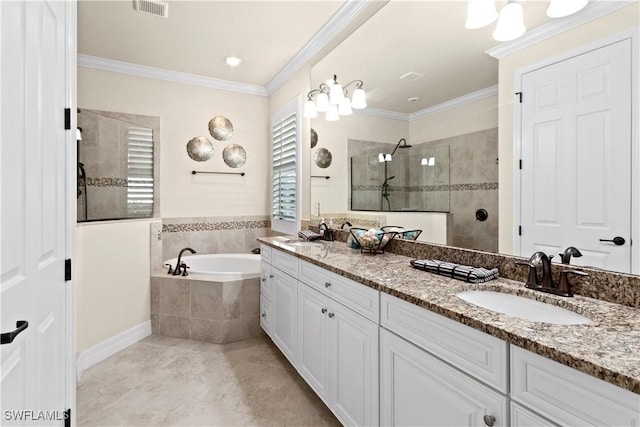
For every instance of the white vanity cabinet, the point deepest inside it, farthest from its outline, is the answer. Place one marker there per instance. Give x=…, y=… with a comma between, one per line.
x=338, y=356
x=567, y=396
x=417, y=386
x=279, y=300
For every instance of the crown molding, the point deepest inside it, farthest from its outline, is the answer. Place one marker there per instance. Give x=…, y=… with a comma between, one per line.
x=385, y=114
x=594, y=10
x=167, y=75
x=455, y=102
x=347, y=13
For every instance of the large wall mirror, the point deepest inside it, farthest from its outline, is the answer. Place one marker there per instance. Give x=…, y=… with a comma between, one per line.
x=118, y=165
x=416, y=60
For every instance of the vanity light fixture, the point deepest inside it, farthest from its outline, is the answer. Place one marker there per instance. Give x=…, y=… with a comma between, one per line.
x=510, y=26
x=332, y=97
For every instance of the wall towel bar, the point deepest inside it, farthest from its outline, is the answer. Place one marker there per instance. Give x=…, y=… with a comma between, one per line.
x=320, y=176
x=220, y=173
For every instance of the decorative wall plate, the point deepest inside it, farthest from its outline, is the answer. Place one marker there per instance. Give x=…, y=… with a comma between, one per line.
x=322, y=157
x=314, y=138
x=234, y=155
x=200, y=149
x=220, y=128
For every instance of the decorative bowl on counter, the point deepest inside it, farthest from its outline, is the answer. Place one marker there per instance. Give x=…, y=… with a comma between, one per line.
x=402, y=232
x=370, y=241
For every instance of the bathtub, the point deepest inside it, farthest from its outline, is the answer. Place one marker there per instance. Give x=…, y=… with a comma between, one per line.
x=243, y=265
x=218, y=302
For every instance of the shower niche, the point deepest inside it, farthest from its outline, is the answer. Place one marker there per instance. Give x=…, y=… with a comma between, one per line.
x=413, y=179
x=118, y=165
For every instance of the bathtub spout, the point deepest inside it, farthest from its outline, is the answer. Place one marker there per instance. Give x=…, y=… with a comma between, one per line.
x=178, y=270
x=255, y=251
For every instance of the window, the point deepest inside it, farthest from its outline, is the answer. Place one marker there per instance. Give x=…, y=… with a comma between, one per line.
x=285, y=169
x=140, y=172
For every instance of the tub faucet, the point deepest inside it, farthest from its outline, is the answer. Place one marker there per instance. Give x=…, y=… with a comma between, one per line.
x=568, y=253
x=179, y=266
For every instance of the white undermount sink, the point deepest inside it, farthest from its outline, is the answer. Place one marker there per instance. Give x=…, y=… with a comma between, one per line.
x=523, y=308
x=301, y=243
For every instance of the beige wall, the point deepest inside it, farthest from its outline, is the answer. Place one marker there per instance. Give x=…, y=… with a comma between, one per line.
x=615, y=22
x=112, y=279
x=112, y=259
x=471, y=117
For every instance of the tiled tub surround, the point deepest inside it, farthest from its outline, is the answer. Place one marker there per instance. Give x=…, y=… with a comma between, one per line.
x=201, y=309
x=606, y=349
x=212, y=235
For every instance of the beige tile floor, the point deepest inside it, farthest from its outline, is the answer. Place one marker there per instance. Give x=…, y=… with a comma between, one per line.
x=164, y=381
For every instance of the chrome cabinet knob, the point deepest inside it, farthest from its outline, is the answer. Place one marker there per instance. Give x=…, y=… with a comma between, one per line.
x=331, y=315
x=271, y=276
x=489, y=420
x=324, y=310
x=327, y=284
x=264, y=314
x=264, y=279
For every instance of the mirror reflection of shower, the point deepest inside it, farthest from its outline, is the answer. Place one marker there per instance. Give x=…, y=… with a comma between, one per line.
x=81, y=180
x=385, y=158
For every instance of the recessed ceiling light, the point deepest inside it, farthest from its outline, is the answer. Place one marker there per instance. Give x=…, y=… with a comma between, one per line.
x=414, y=99
x=232, y=61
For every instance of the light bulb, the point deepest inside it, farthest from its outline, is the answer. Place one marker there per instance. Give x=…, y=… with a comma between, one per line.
x=510, y=24
x=424, y=162
x=432, y=161
x=380, y=158
x=332, y=114
x=344, y=109
x=480, y=13
x=387, y=157
x=336, y=94
x=359, y=99
x=322, y=102
x=560, y=8
x=310, y=109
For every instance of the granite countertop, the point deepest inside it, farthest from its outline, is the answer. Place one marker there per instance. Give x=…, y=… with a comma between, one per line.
x=608, y=348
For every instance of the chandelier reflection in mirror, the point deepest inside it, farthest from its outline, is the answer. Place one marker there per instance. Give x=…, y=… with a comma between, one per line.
x=510, y=26
x=332, y=98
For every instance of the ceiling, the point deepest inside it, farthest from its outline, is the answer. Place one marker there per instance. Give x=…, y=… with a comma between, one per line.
x=198, y=35
x=426, y=36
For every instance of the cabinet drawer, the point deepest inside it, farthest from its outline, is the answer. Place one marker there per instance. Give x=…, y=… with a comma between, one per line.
x=266, y=282
x=358, y=297
x=478, y=354
x=284, y=262
x=567, y=396
x=265, y=314
x=522, y=417
x=265, y=252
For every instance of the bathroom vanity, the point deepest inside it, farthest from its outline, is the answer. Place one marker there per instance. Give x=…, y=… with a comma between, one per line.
x=384, y=344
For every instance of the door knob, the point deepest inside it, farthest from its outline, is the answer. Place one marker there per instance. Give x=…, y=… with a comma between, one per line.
x=8, y=337
x=619, y=241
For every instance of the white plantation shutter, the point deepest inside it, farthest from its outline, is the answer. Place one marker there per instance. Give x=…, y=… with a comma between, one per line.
x=285, y=165
x=140, y=172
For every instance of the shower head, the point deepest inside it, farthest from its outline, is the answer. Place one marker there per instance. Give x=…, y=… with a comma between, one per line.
x=405, y=145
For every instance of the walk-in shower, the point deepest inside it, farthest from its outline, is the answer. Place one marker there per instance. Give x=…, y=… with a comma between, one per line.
x=384, y=194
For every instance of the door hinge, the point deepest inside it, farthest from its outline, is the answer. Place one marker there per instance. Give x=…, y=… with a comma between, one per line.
x=67, y=269
x=520, y=164
x=67, y=417
x=519, y=230
x=520, y=96
x=67, y=118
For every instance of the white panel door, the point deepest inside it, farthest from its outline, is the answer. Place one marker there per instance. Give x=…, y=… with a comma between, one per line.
x=32, y=288
x=576, y=157
x=417, y=389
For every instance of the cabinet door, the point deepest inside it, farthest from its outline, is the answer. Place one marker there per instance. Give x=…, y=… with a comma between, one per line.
x=283, y=327
x=265, y=314
x=353, y=344
x=416, y=388
x=313, y=339
x=266, y=280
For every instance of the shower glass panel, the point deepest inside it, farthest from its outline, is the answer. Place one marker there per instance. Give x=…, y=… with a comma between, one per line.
x=416, y=179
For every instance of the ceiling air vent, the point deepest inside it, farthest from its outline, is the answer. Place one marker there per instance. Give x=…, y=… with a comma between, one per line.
x=411, y=76
x=152, y=7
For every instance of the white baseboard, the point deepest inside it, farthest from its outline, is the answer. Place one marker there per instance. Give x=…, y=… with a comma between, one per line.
x=111, y=346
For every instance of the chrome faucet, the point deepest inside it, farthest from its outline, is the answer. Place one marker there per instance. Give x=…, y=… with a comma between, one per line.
x=327, y=233
x=347, y=223
x=568, y=253
x=180, y=267
x=546, y=283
